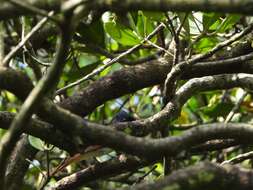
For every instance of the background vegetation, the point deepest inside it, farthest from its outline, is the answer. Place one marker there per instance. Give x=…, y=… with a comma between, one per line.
x=181, y=72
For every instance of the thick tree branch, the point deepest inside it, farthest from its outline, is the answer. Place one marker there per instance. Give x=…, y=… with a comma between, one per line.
x=116, y=167
x=97, y=134
x=135, y=78
x=206, y=176
x=100, y=134
x=227, y=6
x=42, y=130
x=71, y=129
x=43, y=87
x=65, y=119
x=16, y=82
x=98, y=171
x=8, y=10
x=177, y=70
x=18, y=165
x=131, y=79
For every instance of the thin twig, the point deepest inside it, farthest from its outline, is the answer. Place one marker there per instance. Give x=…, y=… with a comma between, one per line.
x=145, y=175
x=239, y=158
x=48, y=176
x=44, y=86
x=160, y=48
x=124, y=61
x=236, y=107
x=181, y=25
x=196, y=24
x=14, y=51
x=44, y=64
x=176, y=53
x=189, y=49
x=2, y=32
x=111, y=62
x=169, y=25
x=178, y=47
x=178, y=69
x=174, y=34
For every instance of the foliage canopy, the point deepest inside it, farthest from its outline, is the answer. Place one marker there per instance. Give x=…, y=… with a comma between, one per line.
x=181, y=71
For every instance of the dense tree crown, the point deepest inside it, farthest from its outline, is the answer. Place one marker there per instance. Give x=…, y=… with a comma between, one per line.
x=129, y=94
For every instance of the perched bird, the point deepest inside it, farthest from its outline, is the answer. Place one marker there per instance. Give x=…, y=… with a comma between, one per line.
x=122, y=116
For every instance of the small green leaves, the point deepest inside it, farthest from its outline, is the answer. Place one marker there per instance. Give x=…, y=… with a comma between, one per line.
x=210, y=19
x=217, y=22
x=36, y=143
x=216, y=110
x=205, y=44
x=144, y=25
x=121, y=33
x=228, y=22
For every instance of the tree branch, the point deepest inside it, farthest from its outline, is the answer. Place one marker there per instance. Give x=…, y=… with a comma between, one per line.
x=98, y=171
x=42, y=130
x=17, y=167
x=8, y=10
x=43, y=87
x=129, y=80
x=206, y=176
x=225, y=6
x=177, y=71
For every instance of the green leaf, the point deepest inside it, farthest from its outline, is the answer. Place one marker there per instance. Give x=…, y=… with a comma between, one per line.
x=86, y=59
x=209, y=19
x=205, y=44
x=155, y=16
x=228, y=22
x=36, y=143
x=93, y=33
x=144, y=25
x=121, y=34
x=141, y=24
x=216, y=110
x=87, y=63
x=132, y=21
x=77, y=73
x=193, y=103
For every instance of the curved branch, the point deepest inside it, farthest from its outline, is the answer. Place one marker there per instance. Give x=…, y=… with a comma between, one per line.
x=116, y=167
x=94, y=172
x=42, y=130
x=177, y=71
x=43, y=87
x=193, y=86
x=131, y=79
x=206, y=176
x=143, y=147
x=226, y=6
x=114, y=85
x=97, y=134
x=171, y=146
x=16, y=82
x=8, y=10
x=148, y=148
x=18, y=165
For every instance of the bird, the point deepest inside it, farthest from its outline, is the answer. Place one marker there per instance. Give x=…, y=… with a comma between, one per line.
x=122, y=116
